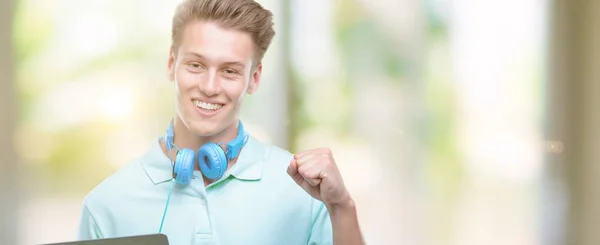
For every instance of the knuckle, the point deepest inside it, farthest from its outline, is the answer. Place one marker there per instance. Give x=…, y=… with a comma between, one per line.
x=303, y=171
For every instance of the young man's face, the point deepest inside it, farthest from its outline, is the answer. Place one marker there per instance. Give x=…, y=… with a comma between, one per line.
x=212, y=70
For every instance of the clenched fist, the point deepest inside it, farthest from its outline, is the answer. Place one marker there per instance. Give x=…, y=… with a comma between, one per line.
x=316, y=172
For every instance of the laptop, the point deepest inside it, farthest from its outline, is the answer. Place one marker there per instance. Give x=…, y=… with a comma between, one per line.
x=153, y=239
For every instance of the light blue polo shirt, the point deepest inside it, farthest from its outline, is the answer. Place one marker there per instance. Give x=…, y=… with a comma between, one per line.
x=256, y=202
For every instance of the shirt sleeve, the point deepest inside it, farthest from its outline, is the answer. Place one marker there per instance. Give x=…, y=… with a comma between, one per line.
x=88, y=228
x=321, y=230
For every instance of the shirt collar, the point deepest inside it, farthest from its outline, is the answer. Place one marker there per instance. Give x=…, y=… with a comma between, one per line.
x=249, y=165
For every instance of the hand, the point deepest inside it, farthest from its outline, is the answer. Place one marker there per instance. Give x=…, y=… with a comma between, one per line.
x=316, y=172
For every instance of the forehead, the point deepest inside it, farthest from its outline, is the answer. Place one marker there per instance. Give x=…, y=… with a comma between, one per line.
x=215, y=43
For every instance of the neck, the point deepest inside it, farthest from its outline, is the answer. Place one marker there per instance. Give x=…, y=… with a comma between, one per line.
x=184, y=138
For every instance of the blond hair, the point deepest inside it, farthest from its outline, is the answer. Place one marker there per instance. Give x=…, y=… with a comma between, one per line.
x=241, y=15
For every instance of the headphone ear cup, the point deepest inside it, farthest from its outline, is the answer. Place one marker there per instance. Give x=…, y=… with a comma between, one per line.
x=212, y=161
x=184, y=166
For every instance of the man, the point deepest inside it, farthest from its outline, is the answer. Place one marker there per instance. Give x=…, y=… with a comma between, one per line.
x=206, y=181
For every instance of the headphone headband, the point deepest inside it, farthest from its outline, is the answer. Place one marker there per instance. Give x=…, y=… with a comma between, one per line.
x=234, y=147
x=169, y=137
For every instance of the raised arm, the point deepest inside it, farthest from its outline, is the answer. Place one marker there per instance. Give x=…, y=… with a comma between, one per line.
x=316, y=172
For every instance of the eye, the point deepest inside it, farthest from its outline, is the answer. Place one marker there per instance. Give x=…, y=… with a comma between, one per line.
x=195, y=65
x=230, y=72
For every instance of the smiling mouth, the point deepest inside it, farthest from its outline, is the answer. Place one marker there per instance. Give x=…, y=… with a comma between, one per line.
x=207, y=106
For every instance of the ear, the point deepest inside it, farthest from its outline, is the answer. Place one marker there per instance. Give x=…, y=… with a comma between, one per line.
x=255, y=80
x=171, y=64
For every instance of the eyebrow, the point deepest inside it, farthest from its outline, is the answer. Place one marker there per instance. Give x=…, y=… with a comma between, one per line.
x=230, y=63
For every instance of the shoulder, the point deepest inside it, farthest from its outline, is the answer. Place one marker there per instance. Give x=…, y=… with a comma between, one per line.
x=139, y=175
x=274, y=159
x=274, y=162
x=276, y=155
x=117, y=185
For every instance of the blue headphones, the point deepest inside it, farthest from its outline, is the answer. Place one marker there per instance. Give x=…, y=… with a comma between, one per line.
x=211, y=158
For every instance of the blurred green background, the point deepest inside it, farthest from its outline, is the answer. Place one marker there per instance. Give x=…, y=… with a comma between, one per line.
x=435, y=109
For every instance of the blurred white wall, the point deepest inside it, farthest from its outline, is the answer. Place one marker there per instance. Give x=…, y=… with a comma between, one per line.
x=496, y=61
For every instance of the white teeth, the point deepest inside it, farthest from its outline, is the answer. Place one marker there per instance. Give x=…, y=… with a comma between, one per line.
x=207, y=106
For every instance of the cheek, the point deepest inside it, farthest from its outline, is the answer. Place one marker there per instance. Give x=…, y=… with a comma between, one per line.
x=185, y=80
x=236, y=90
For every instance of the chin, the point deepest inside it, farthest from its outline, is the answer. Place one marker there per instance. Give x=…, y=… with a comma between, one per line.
x=204, y=128
x=208, y=128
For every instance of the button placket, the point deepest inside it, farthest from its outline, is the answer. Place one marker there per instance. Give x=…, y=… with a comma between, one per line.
x=204, y=226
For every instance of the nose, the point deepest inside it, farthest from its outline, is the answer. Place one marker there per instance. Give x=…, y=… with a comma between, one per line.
x=210, y=86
